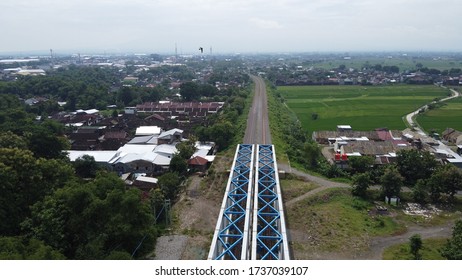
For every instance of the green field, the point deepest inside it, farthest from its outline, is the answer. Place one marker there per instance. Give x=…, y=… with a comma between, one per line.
x=441, y=118
x=362, y=107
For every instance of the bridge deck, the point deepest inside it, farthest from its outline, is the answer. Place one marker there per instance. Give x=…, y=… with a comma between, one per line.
x=251, y=222
x=232, y=233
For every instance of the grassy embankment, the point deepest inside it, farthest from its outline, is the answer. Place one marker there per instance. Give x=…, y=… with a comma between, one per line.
x=430, y=250
x=362, y=107
x=336, y=224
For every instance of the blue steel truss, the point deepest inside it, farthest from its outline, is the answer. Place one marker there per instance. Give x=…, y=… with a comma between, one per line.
x=232, y=235
x=269, y=240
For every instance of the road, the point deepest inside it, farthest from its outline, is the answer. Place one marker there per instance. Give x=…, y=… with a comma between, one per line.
x=410, y=116
x=258, y=131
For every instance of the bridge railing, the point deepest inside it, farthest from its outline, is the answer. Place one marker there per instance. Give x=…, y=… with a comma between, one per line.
x=269, y=237
x=232, y=234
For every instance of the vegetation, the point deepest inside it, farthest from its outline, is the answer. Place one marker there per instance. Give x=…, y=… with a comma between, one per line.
x=335, y=221
x=430, y=250
x=452, y=250
x=364, y=108
x=447, y=115
x=360, y=185
x=48, y=212
x=415, y=244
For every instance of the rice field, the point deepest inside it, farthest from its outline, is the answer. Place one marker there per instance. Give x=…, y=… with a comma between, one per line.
x=449, y=115
x=362, y=107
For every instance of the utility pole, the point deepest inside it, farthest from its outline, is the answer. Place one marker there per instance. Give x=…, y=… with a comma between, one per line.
x=51, y=57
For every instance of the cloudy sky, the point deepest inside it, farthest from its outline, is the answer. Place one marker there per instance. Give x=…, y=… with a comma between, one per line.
x=230, y=26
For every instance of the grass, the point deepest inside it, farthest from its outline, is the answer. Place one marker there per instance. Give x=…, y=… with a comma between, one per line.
x=443, y=117
x=278, y=116
x=362, y=107
x=295, y=188
x=430, y=250
x=335, y=221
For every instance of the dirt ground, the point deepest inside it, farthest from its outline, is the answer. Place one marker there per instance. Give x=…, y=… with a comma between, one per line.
x=196, y=213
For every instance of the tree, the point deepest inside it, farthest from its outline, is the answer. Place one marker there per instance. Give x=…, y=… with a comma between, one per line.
x=360, y=184
x=26, y=180
x=10, y=140
x=169, y=183
x=178, y=164
x=126, y=95
x=392, y=182
x=186, y=149
x=446, y=179
x=85, y=223
x=44, y=143
x=20, y=248
x=311, y=154
x=85, y=166
x=414, y=165
x=453, y=247
x=451, y=179
x=415, y=244
x=222, y=134
x=420, y=191
x=189, y=91
x=360, y=164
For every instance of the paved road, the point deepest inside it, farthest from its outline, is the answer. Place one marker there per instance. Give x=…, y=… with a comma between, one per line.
x=257, y=131
x=410, y=116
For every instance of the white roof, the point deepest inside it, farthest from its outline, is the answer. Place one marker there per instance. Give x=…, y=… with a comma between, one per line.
x=170, y=132
x=74, y=124
x=148, y=130
x=204, y=145
x=166, y=149
x=137, y=148
x=91, y=111
x=210, y=158
x=150, y=139
x=100, y=156
x=202, y=153
x=152, y=157
x=147, y=179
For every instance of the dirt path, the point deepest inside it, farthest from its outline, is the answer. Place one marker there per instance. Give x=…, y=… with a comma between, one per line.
x=323, y=183
x=379, y=244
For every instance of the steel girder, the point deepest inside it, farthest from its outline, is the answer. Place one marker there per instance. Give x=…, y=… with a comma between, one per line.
x=232, y=233
x=269, y=241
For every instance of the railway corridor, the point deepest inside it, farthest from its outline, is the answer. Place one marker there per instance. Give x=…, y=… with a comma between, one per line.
x=251, y=223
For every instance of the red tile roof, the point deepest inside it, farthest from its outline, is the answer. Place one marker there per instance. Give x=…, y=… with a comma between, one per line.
x=197, y=161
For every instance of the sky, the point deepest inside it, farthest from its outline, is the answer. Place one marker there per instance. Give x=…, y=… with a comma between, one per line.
x=232, y=26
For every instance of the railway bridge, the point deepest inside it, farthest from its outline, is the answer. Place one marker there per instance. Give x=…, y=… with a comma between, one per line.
x=251, y=224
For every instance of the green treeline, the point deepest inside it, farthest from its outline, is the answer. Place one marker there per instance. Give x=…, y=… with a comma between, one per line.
x=51, y=208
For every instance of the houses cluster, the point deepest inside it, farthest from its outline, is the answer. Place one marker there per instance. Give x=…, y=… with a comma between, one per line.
x=383, y=145
x=148, y=154
x=364, y=77
x=192, y=112
x=138, y=148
